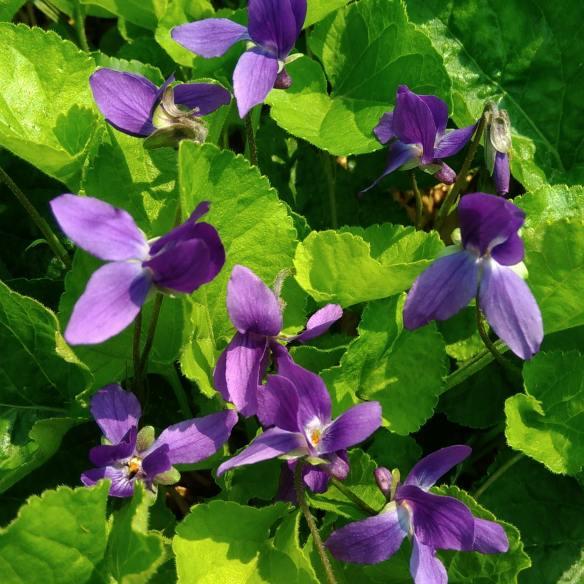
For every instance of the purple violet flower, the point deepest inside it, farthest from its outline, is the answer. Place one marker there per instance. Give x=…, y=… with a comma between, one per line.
x=274, y=26
x=256, y=313
x=134, y=105
x=179, y=262
x=487, y=266
x=296, y=407
x=417, y=136
x=498, y=146
x=130, y=455
x=432, y=522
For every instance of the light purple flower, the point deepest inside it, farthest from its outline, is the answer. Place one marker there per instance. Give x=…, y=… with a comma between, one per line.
x=256, y=313
x=179, y=262
x=417, y=136
x=296, y=408
x=274, y=27
x=134, y=105
x=431, y=521
x=485, y=267
x=130, y=455
x=498, y=146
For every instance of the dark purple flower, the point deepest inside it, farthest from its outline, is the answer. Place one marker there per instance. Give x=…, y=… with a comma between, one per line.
x=498, y=146
x=134, y=105
x=296, y=407
x=486, y=267
x=256, y=313
x=130, y=455
x=417, y=135
x=179, y=262
x=274, y=27
x=432, y=522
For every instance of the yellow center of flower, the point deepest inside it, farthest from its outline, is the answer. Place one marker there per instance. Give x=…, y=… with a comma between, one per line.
x=315, y=436
x=134, y=466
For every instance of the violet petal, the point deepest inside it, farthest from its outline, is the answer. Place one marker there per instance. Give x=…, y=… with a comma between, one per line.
x=211, y=37
x=106, y=232
x=254, y=77
x=278, y=404
x=271, y=444
x=111, y=301
x=108, y=454
x=194, y=440
x=398, y=155
x=453, y=142
x=272, y=25
x=489, y=537
x=115, y=411
x=156, y=461
x=430, y=468
x=207, y=97
x=425, y=567
x=511, y=309
x=126, y=100
x=439, y=111
x=384, y=129
x=351, y=427
x=502, y=173
x=252, y=306
x=320, y=322
x=369, y=541
x=121, y=485
x=443, y=289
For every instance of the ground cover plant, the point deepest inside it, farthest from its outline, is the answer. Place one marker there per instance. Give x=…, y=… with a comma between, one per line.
x=291, y=291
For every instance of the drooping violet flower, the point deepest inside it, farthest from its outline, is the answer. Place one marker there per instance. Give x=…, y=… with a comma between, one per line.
x=274, y=26
x=498, y=146
x=431, y=521
x=487, y=266
x=256, y=313
x=134, y=105
x=296, y=408
x=130, y=455
x=179, y=262
x=417, y=136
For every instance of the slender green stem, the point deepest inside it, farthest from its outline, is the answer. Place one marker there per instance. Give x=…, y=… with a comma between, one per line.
x=497, y=474
x=299, y=486
x=330, y=171
x=363, y=505
x=452, y=196
x=52, y=240
x=80, y=25
x=419, y=204
x=251, y=142
x=150, y=335
x=179, y=392
x=136, y=354
x=490, y=345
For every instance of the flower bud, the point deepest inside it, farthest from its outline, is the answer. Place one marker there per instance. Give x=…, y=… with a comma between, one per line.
x=384, y=480
x=283, y=81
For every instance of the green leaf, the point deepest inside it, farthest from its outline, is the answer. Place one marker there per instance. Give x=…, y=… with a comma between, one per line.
x=8, y=8
x=367, y=50
x=394, y=451
x=360, y=480
x=39, y=379
x=318, y=9
x=258, y=481
x=357, y=265
x=392, y=365
x=133, y=553
x=144, y=13
x=57, y=537
x=263, y=239
x=549, y=512
x=476, y=568
x=221, y=542
x=133, y=66
x=486, y=59
x=546, y=422
x=47, y=115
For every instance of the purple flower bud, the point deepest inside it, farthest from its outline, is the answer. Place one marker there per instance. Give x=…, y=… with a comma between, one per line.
x=446, y=174
x=283, y=81
x=384, y=480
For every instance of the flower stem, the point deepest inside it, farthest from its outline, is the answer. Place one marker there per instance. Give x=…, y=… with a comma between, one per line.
x=299, y=486
x=52, y=240
x=452, y=196
x=363, y=505
x=150, y=335
x=251, y=142
x=498, y=474
x=419, y=204
x=80, y=25
x=331, y=185
x=490, y=345
x=136, y=354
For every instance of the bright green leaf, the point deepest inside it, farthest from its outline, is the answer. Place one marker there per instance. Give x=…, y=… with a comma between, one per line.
x=144, y=13
x=318, y=9
x=547, y=422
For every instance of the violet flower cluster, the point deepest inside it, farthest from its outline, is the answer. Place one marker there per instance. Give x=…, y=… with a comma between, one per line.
x=129, y=455
x=272, y=31
x=432, y=522
x=179, y=262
